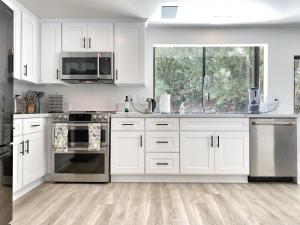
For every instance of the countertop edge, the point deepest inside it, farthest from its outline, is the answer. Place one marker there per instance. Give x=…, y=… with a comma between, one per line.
x=28, y=116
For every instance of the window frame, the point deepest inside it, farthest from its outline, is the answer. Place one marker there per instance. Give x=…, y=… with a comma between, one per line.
x=254, y=82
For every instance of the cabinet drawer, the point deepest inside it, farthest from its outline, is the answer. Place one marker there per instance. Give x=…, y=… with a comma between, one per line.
x=127, y=124
x=162, y=124
x=18, y=127
x=214, y=124
x=162, y=141
x=32, y=125
x=162, y=163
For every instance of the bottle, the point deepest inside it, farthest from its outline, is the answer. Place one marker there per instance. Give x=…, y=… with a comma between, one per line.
x=126, y=106
x=182, y=108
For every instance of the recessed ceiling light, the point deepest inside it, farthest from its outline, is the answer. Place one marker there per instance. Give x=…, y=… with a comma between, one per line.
x=169, y=12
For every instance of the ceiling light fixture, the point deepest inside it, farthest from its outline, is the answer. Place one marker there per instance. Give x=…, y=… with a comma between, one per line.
x=169, y=12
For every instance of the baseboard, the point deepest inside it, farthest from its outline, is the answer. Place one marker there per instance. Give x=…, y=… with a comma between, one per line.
x=28, y=188
x=181, y=178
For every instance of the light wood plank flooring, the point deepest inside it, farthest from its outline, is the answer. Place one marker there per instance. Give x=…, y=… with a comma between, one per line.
x=159, y=204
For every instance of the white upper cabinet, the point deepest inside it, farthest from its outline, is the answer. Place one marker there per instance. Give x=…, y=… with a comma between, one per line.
x=74, y=37
x=87, y=37
x=29, y=49
x=50, y=53
x=232, y=153
x=129, y=53
x=100, y=37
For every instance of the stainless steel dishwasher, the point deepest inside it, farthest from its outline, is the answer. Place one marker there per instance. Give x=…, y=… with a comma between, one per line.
x=273, y=147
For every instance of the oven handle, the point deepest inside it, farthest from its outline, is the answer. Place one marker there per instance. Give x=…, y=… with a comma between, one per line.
x=78, y=124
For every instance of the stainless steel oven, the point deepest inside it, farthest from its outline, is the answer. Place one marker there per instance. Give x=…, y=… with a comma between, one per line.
x=78, y=163
x=78, y=67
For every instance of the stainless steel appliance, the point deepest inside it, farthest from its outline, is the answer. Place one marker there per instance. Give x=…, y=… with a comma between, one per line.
x=151, y=105
x=79, y=164
x=273, y=147
x=253, y=101
x=6, y=113
x=87, y=67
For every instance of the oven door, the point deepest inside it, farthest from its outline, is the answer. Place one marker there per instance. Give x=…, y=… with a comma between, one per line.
x=79, y=66
x=106, y=66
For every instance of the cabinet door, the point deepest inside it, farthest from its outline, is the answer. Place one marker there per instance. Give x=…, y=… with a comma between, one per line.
x=129, y=53
x=50, y=53
x=127, y=152
x=196, y=153
x=17, y=163
x=232, y=153
x=29, y=48
x=100, y=37
x=74, y=37
x=33, y=160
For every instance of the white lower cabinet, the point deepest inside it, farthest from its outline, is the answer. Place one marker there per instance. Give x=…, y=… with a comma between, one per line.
x=127, y=152
x=29, y=156
x=232, y=153
x=162, y=163
x=33, y=161
x=196, y=153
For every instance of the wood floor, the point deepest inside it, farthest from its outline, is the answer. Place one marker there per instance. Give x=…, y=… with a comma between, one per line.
x=159, y=204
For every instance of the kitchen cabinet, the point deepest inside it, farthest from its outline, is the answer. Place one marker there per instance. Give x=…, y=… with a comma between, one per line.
x=29, y=48
x=127, y=152
x=87, y=37
x=196, y=153
x=18, y=163
x=29, y=156
x=34, y=162
x=129, y=53
x=232, y=153
x=50, y=53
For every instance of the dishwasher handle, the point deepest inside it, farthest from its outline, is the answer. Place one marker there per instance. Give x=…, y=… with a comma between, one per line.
x=273, y=123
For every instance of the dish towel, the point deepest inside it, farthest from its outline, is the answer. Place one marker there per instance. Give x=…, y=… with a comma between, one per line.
x=61, y=137
x=94, y=137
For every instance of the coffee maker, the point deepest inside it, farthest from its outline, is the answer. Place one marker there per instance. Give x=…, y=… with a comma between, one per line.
x=151, y=105
x=253, y=101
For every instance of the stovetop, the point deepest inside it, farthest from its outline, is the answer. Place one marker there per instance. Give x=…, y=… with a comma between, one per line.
x=82, y=117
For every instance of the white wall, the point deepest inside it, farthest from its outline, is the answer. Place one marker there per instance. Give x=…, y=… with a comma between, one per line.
x=283, y=44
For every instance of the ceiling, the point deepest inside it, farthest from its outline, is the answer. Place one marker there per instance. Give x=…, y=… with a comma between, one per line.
x=190, y=12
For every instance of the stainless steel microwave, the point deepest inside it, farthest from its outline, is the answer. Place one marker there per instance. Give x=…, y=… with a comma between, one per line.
x=87, y=67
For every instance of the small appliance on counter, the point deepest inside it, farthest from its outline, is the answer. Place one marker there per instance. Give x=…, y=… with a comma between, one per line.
x=253, y=101
x=56, y=103
x=20, y=105
x=151, y=105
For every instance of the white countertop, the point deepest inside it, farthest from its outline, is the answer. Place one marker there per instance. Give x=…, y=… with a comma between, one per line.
x=173, y=115
x=28, y=116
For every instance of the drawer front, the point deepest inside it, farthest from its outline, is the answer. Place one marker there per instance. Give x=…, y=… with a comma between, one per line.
x=162, y=163
x=162, y=124
x=18, y=127
x=32, y=125
x=162, y=141
x=214, y=124
x=127, y=124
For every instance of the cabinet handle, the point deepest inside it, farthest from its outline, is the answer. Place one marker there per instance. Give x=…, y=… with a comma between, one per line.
x=141, y=141
x=212, y=141
x=90, y=42
x=35, y=125
x=83, y=42
x=27, y=143
x=162, y=142
x=162, y=164
x=116, y=74
x=57, y=73
x=25, y=70
x=127, y=124
x=162, y=124
x=218, y=141
x=22, y=151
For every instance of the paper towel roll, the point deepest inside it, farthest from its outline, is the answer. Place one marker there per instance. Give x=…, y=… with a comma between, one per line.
x=165, y=103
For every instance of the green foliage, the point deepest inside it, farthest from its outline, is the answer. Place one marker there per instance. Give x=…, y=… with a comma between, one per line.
x=228, y=70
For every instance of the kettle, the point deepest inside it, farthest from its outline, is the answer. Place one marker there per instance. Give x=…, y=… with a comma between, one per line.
x=151, y=105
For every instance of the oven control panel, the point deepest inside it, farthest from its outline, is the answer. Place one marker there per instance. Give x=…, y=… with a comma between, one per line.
x=96, y=117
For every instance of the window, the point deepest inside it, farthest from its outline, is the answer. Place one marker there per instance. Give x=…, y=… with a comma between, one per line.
x=213, y=78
